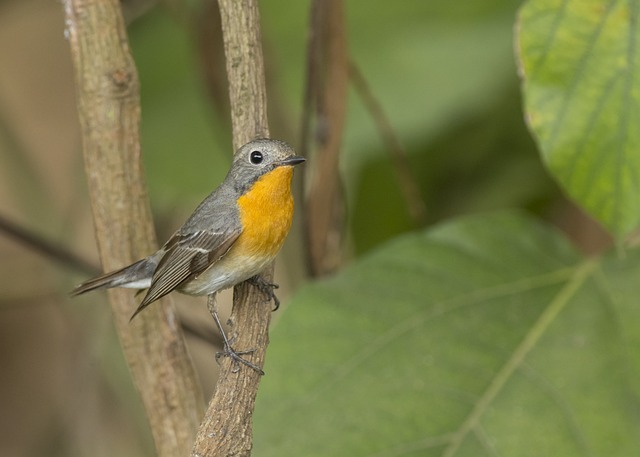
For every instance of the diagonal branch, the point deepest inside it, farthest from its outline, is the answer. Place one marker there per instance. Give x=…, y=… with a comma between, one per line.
x=109, y=110
x=44, y=247
x=406, y=179
x=227, y=426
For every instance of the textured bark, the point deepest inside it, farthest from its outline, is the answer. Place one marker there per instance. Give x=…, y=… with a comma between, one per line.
x=227, y=426
x=109, y=109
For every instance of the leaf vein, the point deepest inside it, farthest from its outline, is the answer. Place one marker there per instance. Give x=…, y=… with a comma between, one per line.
x=548, y=316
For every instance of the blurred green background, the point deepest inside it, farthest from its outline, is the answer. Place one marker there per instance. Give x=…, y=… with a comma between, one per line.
x=445, y=74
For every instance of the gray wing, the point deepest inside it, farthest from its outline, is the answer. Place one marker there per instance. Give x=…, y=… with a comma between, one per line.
x=187, y=254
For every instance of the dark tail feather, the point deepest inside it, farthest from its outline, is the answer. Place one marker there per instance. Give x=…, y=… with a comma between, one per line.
x=142, y=306
x=147, y=300
x=138, y=271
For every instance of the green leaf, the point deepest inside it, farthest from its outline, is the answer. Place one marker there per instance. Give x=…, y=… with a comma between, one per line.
x=481, y=337
x=580, y=62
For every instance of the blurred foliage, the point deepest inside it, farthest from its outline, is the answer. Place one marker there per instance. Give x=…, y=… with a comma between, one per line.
x=186, y=146
x=452, y=172
x=489, y=335
x=465, y=136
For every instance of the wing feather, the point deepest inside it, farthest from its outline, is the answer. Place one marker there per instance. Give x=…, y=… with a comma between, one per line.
x=187, y=254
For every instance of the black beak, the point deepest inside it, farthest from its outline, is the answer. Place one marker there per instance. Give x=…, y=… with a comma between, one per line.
x=293, y=160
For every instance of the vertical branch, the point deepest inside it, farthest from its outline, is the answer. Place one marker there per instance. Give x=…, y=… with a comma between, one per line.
x=245, y=70
x=109, y=110
x=227, y=426
x=326, y=91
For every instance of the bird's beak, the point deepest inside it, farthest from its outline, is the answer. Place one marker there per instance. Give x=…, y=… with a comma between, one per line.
x=293, y=160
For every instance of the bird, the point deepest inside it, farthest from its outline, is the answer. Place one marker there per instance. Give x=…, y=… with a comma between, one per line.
x=231, y=237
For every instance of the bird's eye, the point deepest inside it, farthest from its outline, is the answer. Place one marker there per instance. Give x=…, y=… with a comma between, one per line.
x=256, y=157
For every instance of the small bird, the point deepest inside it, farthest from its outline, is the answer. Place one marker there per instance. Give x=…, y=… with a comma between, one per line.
x=230, y=238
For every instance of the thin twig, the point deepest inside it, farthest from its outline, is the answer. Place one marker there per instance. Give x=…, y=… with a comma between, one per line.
x=46, y=248
x=68, y=259
x=406, y=179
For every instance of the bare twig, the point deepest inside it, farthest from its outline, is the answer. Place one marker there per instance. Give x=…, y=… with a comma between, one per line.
x=109, y=110
x=326, y=92
x=46, y=248
x=406, y=179
x=68, y=259
x=227, y=426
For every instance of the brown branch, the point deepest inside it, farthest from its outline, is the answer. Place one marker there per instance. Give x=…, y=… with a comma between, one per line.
x=227, y=426
x=326, y=91
x=406, y=179
x=109, y=110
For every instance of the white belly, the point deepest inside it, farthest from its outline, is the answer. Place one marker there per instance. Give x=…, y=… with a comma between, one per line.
x=224, y=274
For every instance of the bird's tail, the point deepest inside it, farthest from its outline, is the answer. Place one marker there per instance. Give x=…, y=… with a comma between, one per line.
x=134, y=276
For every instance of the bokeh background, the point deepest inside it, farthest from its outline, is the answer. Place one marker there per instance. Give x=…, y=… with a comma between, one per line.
x=444, y=73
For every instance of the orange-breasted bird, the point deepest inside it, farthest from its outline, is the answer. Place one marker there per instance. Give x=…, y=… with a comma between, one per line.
x=231, y=236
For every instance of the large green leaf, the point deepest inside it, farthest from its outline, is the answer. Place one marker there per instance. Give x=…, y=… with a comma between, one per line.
x=580, y=60
x=482, y=337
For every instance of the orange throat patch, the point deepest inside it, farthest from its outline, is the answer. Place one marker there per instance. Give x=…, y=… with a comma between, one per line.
x=266, y=212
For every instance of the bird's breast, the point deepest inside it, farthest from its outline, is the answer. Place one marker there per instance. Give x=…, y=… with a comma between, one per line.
x=266, y=212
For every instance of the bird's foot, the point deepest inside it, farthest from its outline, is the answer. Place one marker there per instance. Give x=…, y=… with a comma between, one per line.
x=236, y=357
x=267, y=288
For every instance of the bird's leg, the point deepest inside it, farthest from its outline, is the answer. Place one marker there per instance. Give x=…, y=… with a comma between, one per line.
x=228, y=351
x=267, y=288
